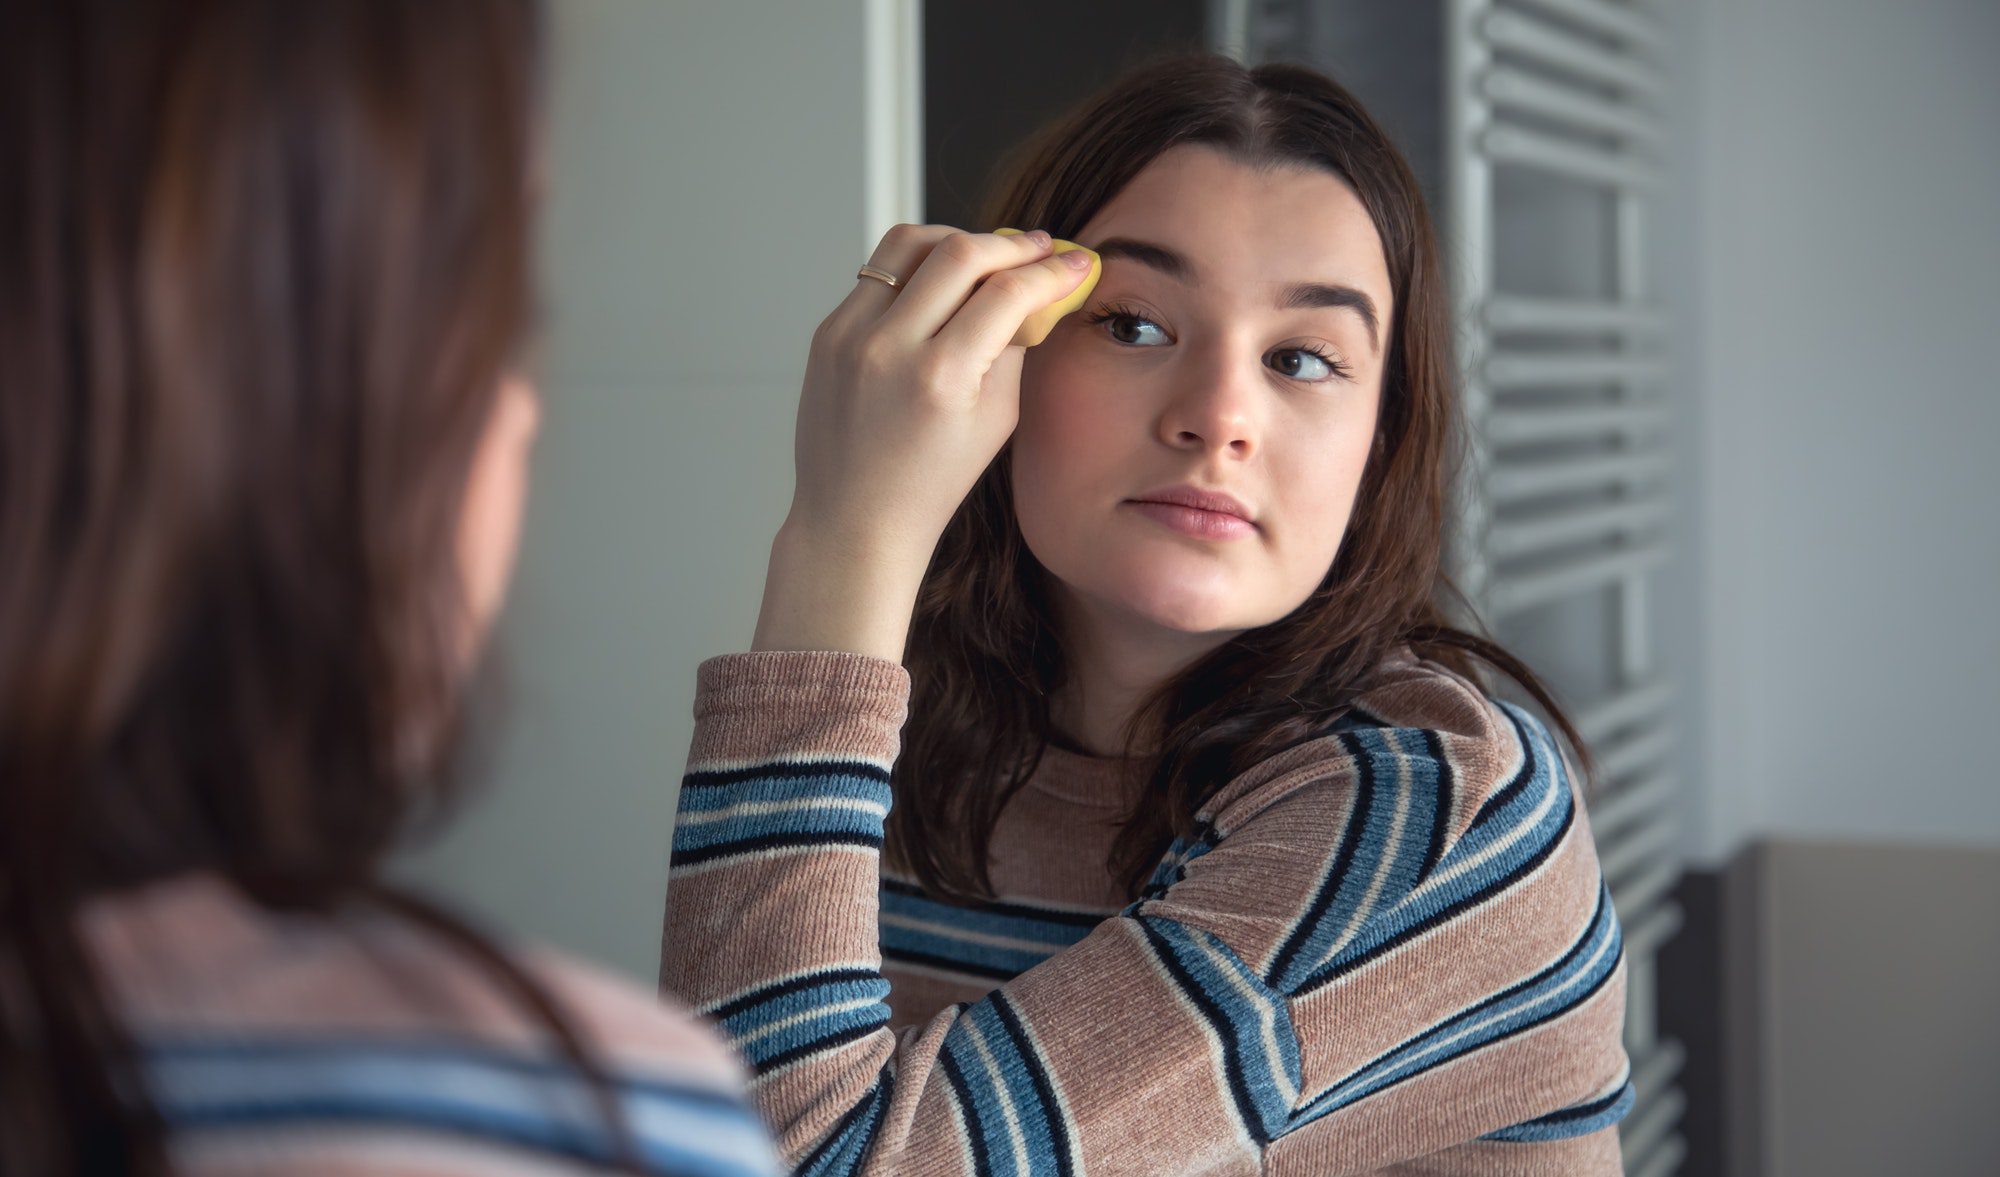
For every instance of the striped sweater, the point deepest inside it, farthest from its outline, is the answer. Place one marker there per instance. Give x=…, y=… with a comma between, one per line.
x=1389, y=949
x=275, y=1043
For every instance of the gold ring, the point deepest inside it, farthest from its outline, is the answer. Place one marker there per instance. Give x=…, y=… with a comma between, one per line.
x=882, y=276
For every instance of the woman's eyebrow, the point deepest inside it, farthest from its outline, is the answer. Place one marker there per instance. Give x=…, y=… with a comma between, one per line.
x=1299, y=295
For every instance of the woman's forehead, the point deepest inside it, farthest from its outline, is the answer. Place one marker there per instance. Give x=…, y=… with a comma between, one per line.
x=1231, y=223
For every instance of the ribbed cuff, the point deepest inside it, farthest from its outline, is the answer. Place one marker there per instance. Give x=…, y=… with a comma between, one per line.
x=759, y=703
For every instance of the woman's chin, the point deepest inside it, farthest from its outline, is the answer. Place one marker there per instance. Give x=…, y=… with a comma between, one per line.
x=1162, y=606
x=1163, y=587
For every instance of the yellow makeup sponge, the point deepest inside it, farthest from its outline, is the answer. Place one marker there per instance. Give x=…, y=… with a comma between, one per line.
x=1036, y=327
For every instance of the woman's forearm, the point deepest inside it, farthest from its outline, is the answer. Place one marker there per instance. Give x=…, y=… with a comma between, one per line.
x=821, y=594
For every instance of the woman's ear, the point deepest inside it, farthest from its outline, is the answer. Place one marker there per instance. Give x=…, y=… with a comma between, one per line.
x=495, y=499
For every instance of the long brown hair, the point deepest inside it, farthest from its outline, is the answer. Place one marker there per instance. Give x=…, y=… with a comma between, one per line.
x=983, y=654
x=263, y=267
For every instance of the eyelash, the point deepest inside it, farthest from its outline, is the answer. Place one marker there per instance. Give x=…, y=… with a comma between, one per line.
x=1115, y=311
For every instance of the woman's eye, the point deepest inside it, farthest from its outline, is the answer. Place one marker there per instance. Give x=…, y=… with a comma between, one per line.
x=1304, y=363
x=1129, y=328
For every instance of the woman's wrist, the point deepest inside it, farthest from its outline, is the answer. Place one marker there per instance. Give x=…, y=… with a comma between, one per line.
x=822, y=594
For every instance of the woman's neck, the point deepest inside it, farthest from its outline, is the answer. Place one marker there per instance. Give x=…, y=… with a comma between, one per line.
x=1111, y=670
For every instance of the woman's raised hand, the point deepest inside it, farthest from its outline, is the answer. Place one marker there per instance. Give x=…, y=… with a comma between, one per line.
x=911, y=391
x=909, y=394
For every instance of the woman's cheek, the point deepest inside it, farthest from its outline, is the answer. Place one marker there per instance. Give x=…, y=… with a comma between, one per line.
x=1052, y=463
x=1049, y=400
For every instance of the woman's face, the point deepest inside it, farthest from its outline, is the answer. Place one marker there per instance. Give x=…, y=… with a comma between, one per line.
x=1220, y=282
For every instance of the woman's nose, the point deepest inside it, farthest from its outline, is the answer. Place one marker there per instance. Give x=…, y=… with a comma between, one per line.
x=1213, y=402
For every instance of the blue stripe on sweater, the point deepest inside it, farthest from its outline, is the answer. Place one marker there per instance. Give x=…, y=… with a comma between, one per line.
x=1349, y=892
x=845, y=1146
x=1535, y=811
x=942, y=950
x=815, y=1012
x=1062, y=1134
x=952, y=936
x=1172, y=867
x=790, y=808
x=840, y=780
x=1554, y=991
x=976, y=1129
x=765, y=771
x=806, y=821
x=1579, y=1120
x=1055, y=927
x=471, y=1091
x=1260, y=1048
x=1007, y=1086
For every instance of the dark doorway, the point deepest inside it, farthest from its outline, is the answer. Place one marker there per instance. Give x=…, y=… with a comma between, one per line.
x=994, y=73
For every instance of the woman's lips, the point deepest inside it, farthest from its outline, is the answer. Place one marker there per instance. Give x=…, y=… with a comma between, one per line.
x=1195, y=522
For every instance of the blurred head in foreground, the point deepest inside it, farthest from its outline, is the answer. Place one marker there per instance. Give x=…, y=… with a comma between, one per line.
x=264, y=295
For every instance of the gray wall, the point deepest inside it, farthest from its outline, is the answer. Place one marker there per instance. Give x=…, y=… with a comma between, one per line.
x=1838, y=240
x=1849, y=238
x=707, y=189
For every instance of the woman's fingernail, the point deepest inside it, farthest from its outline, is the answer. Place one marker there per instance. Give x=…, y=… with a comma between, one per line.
x=1078, y=259
x=1039, y=237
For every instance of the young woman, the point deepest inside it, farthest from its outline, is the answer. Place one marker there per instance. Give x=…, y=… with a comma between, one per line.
x=1207, y=850
x=264, y=292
